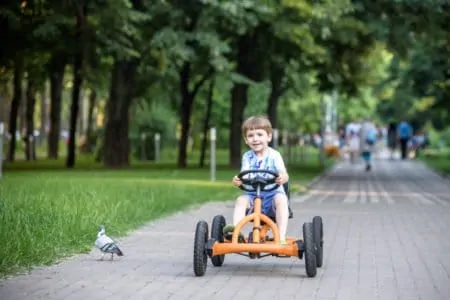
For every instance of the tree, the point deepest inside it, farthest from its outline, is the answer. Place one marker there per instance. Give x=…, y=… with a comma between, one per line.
x=123, y=76
x=80, y=8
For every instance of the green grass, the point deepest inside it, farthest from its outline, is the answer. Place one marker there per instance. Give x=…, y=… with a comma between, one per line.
x=48, y=212
x=48, y=216
x=439, y=160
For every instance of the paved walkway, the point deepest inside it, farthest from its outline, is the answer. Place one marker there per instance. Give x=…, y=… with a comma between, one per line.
x=385, y=238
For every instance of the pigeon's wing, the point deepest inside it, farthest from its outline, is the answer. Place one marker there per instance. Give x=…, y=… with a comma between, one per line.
x=103, y=240
x=112, y=248
x=115, y=249
x=107, y=245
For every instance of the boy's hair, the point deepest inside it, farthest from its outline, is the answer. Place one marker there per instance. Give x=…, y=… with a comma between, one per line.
x=256, y=122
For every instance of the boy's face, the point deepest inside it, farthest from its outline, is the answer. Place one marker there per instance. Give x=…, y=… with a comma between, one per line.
x=257, y=139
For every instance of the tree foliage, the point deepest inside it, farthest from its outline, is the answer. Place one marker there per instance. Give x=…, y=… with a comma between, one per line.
x=152, y=61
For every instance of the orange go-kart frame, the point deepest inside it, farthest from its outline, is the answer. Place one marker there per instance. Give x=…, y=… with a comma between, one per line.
x=261, y=225
x=257, y=245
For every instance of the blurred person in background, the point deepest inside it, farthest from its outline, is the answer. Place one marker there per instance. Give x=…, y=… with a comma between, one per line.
x=404, y=133
x=392, y=138
x=352, y=139
x=369, y=135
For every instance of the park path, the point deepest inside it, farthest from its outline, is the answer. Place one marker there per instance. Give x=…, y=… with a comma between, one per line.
x=386, y=237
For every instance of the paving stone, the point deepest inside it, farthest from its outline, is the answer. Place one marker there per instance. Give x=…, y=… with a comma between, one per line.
x=385, y=235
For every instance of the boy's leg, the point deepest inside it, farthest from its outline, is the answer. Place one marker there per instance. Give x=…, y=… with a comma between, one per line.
x=240, y=208
x=282, y=214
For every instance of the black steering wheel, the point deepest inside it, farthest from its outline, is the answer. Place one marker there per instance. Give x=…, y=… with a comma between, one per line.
x=264, y=183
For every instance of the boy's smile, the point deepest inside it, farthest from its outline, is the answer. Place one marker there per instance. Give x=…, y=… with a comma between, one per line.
x=258, y=140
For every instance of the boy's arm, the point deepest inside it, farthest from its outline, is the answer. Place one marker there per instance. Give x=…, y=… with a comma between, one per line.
x=245, y=162
x=281, y=169
x=245, y=165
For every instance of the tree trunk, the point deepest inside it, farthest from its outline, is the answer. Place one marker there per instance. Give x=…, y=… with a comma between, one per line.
x=272, y=108
x=56, y=68
x=81, y=123
x=15, y=105
x=277, y=89
x=77, y=84
x=44, y=114
x=276, y=81
x=23, y=112
x=246, y=67
x=116, y=147
x=206, y=123
x=30, y=150
x=187, y=101
x=90, y=139
x=185, y=114
x=5, y=104
x=238, y=103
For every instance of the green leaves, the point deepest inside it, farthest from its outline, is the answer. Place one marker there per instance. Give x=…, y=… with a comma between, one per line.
x=117, y=28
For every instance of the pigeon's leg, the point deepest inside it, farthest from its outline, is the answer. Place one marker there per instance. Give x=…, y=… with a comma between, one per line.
x=112, y=256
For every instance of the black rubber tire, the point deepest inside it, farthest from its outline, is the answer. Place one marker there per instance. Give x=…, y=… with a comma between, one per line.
x=200, y=255
x=287, y=190
x=217, y=226
x=318, y=239
x=288, y=194
x=310, y=255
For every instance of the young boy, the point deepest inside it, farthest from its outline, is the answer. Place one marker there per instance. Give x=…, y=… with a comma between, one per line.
x=257, y=133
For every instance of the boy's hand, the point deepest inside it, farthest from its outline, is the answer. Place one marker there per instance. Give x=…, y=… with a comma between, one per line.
x=236, y=181
x=282, y=178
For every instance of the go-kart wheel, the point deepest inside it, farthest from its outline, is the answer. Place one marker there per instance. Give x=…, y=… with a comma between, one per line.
x=200, y=255
x=217, y=226
x=310, y=253
x=318, y=239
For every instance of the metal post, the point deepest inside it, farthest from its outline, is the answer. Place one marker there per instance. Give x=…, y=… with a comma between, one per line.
x=275, y=138
x=213, y=153
x=30, y=146
x=324, y=105
x=335, y=98
x=157, y=146
x=2, y=129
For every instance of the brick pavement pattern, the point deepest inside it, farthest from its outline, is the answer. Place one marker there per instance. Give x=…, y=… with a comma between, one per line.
x=385, y=238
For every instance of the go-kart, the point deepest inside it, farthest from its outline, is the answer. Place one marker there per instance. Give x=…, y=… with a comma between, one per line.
x=264, y=238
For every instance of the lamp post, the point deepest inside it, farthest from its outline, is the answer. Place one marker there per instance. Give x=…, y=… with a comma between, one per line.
x=212, y=138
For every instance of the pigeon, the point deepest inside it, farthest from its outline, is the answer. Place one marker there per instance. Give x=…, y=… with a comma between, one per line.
x=106, y=244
